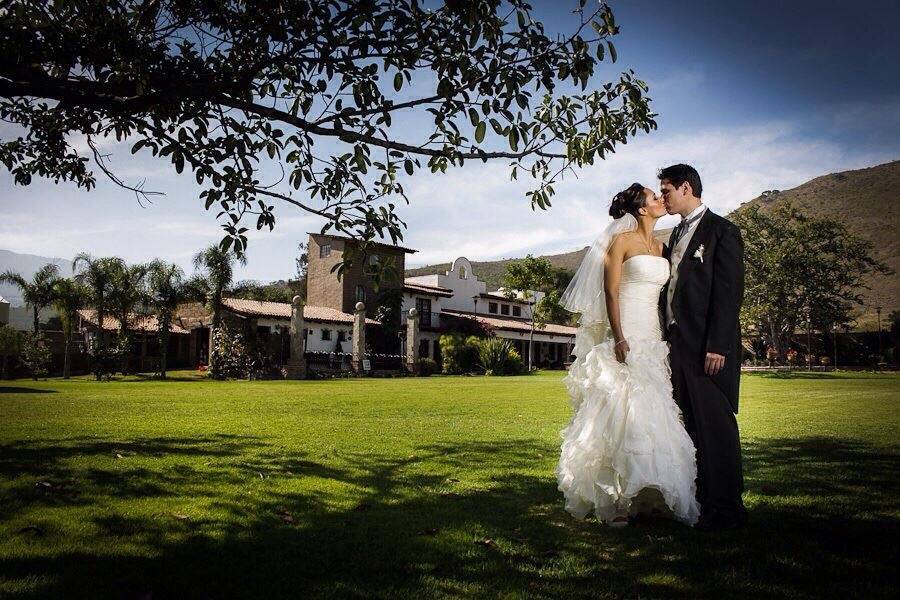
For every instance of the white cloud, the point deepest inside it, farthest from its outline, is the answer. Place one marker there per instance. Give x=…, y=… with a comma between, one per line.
x=478, y=213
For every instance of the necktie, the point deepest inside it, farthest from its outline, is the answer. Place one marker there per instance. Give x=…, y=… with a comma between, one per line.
x=683, y=227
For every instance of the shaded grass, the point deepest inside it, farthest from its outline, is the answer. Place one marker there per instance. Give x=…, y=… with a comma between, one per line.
x=438, y=487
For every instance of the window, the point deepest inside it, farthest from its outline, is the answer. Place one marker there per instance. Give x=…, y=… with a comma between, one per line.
x=504, y=309
x=462, y=273
x=324, y=250
x=423, y=306
x=492, y=307
x=262, y=330
x=342, y=335
x=517, y=311
x=326, y=334
x=423, y=349
x=360, y=294
x=374, y=260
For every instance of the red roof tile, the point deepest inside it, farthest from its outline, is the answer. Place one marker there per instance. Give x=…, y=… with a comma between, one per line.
x=431, y=290
x=145, y=323
x=513, y=324
x=282, y=310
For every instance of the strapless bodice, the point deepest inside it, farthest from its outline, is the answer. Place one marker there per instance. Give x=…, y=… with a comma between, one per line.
x=643, y=277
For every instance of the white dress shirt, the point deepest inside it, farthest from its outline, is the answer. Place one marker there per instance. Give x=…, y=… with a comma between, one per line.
x=677, y=254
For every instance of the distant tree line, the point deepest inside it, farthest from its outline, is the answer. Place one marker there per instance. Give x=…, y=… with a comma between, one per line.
x=113, y=288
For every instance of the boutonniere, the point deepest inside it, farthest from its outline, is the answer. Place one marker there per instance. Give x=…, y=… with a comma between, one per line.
x=699, y=253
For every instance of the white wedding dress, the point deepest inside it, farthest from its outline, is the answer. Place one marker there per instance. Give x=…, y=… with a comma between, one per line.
x=626, y=434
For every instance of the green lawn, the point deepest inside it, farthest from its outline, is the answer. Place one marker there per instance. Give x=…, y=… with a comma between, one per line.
x=436, y=487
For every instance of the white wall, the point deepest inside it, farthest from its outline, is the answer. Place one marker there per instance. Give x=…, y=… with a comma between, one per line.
x=409, y=301
x=461, y=280
x=314, y=341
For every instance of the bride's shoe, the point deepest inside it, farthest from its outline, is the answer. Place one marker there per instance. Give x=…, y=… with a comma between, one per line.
x=619, y=521
x=621, y=518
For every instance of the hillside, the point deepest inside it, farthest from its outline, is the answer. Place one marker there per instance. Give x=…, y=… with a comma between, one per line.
x=26, y=265
x=866, y=201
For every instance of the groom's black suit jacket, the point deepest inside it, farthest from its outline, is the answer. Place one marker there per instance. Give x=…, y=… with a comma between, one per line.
x=707, y=301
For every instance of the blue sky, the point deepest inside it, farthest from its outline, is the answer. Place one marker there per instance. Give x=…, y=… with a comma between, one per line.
x=757, y=95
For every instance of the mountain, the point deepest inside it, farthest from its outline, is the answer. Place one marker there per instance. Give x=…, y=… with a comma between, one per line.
x=866, y=201
x=26, y=265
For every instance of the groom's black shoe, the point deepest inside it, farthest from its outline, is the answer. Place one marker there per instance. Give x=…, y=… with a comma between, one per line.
x=720, y=522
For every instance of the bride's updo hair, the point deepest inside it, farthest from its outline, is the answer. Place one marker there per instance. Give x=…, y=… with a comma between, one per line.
x=628, y=201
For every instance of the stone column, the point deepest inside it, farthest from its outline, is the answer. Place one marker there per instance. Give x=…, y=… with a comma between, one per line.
x=359, y=338
x=296, y=364
x=412, y=342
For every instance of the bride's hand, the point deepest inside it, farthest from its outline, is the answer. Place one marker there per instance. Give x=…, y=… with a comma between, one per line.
x=622, y=350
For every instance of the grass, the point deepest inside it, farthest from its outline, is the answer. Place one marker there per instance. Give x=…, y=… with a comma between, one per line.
x=411, y=488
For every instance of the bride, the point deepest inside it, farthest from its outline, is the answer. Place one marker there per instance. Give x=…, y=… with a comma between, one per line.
x=626, y=445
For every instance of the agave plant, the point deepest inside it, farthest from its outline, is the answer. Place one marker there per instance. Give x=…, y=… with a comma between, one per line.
x=498, y=357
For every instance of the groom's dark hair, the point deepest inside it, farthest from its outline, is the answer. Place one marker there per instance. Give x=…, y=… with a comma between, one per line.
x=678, y=174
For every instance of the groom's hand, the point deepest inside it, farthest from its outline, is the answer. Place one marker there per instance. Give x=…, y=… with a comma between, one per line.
x=714, y=363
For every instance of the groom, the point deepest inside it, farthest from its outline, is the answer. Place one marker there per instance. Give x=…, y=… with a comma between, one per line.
x=701, y=304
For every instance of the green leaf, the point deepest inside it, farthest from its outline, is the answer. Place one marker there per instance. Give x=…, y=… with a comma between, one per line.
x=398, y=81
x=408, y=165
x=612, y=51
x=480, y=131
x=514, y=139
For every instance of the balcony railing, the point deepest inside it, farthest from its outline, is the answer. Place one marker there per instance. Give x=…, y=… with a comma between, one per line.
x=430, y=320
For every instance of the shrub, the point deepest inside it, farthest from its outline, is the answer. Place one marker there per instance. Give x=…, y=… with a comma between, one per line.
x=35, y=355
x=233, y=360
x=498, y=357
x=459, y=353
x=10, y=345
x=428, y=367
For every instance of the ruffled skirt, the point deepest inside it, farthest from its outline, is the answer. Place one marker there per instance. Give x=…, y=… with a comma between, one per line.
x=626, y=435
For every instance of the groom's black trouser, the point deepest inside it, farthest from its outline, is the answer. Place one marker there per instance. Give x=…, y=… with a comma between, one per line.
x=713, y=428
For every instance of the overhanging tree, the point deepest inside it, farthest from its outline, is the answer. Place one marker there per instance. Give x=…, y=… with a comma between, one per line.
x=322, y=105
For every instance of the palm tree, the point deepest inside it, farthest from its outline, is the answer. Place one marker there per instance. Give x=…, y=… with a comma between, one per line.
x=96, y=274
x=167, y=289
x=127, y=293
x=36, y=293
x=217, y=268
x=69, y=296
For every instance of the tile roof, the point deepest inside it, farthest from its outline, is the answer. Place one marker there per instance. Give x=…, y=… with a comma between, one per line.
x=282, y=310
x=351, y=239
x=513, y=324
x=432, y=290
x=145, y=323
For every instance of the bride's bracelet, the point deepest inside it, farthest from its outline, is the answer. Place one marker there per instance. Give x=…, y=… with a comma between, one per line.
x=620, y=342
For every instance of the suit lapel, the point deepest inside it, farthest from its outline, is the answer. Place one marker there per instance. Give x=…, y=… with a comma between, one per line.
x=699, y=237
x=667, y=251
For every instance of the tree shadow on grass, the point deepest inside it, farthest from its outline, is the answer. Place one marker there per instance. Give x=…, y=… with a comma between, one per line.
x=25, y=390
x=822, y=510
